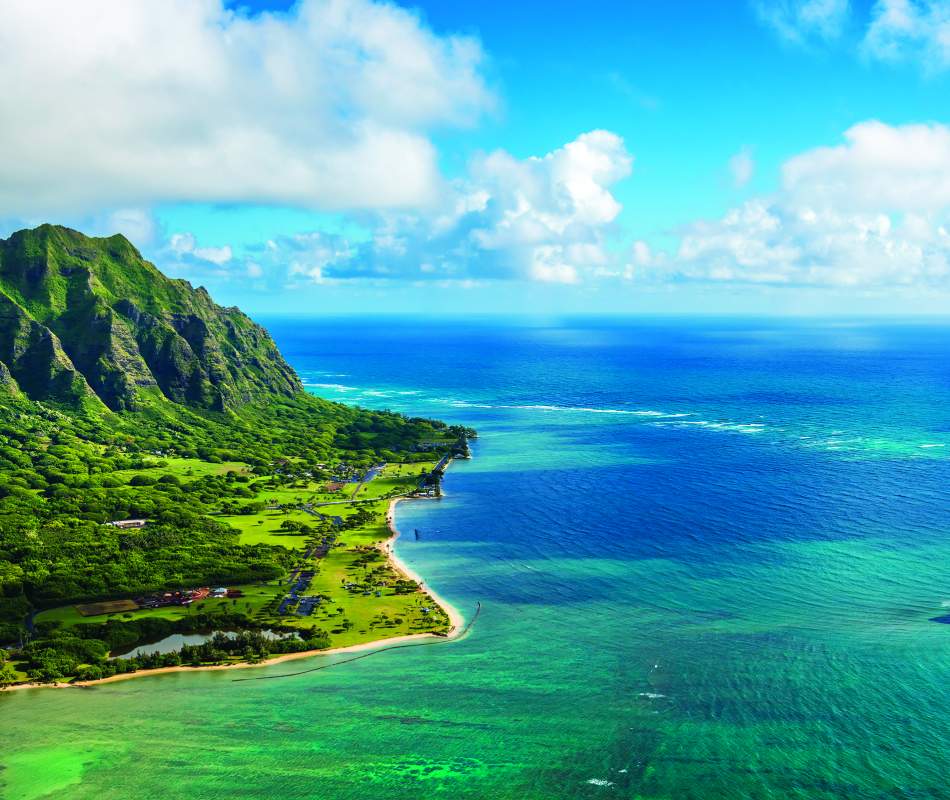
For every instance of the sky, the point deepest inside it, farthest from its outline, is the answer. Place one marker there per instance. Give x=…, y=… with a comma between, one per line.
x=338, y=156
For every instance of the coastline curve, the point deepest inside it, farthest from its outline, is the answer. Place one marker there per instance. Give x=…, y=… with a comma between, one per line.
x=457, y=629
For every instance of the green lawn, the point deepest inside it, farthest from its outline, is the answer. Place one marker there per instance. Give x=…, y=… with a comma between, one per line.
x=264, y=528
x=354, y=560
x=183, y=468
x=297, y=494
x=372, y=617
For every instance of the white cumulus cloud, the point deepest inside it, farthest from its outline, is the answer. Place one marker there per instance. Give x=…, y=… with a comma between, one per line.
x=124, y=103
x=185, y=244
x=541, y=218
x=878, y=167
x=181, y=256
x=873, y=211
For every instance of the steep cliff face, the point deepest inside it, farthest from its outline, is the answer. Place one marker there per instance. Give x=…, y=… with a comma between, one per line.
x=84, y=318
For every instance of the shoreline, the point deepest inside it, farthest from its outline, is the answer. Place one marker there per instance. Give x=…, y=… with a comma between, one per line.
x=456, y=620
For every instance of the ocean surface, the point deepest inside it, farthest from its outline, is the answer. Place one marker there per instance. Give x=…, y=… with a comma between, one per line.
x=711, y=558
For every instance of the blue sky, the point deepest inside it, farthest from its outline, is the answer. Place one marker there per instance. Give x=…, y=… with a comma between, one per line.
x=348, y=155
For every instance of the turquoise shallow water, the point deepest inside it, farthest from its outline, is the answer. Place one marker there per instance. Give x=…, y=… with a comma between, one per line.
x=709, y=556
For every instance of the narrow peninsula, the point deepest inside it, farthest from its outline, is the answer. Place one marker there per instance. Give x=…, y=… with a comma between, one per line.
x=170, y=496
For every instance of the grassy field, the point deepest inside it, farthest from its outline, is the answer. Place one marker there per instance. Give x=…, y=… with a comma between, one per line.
x=183, y=468
x=302, y=492
x=265, y=527
x=359, y=561
x=361, y=601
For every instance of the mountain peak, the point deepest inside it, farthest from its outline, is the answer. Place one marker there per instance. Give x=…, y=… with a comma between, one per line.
x=85, y=319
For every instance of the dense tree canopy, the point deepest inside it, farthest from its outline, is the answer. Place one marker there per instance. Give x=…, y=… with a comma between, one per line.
x=64, y=474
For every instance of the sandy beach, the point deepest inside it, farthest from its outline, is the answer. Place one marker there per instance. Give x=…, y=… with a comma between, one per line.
x=145, y=673
x=456, y=620
x=455, y=616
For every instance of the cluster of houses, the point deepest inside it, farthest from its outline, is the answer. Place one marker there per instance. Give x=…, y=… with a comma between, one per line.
x=186, y=597
x=340, y=474
x=425, y=447
x=128, y=524
x=305, y=604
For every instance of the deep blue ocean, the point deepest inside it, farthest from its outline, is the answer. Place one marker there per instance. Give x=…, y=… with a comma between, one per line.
x=712, y=557
x=727, y=539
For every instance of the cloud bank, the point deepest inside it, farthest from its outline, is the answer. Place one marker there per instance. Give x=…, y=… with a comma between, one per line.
x=129, y=103
x=125, y=103
x=870, y=212
x=541, y=218
x=873, y=211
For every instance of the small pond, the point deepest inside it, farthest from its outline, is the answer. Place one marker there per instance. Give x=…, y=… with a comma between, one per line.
x=176, y=641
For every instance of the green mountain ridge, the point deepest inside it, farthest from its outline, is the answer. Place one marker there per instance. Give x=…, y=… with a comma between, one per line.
x=88, y=321
x=127, y=395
